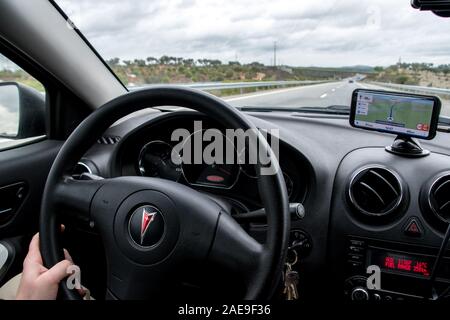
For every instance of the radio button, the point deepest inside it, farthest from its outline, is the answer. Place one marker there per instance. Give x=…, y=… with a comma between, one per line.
x=358, y=243
x=355, y=249
x=355, y=257
x=359, y=294
x=355, y=266
x=376, y=297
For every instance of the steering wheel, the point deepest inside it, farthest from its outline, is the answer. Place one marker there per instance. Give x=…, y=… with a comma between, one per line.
x=150, y=227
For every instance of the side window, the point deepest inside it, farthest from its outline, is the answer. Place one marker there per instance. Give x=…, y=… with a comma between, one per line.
x=22, y=105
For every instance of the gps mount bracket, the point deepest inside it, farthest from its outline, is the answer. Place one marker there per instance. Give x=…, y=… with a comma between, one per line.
x=407, y=147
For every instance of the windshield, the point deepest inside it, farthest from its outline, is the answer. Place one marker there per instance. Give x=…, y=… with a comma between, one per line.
x=272, y=54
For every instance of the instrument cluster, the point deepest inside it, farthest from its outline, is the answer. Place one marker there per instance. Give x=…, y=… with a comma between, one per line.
x=159, y=159
x=150, y=151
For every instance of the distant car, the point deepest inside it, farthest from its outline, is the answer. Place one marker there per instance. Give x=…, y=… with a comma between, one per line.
x=351, y=81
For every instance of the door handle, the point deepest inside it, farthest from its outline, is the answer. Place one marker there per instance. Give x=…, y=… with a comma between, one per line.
x=5, y=211
x=12, y=197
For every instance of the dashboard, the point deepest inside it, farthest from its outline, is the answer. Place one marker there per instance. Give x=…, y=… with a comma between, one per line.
x=150, y=152
x=363, y=205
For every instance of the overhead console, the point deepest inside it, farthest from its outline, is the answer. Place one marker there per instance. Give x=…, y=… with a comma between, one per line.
x=391, y=210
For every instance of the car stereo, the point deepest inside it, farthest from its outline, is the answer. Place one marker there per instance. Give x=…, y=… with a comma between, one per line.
x=404, y=114
x=405, y=270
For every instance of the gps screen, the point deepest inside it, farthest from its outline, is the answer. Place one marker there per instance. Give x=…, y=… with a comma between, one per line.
x=409, y=115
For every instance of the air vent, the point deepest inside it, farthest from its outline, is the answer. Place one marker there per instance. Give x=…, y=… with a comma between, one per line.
x=108, y=140
x=439, y=198
x=375, y=191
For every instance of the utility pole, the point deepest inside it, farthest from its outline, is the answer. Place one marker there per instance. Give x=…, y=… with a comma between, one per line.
x=275, y=54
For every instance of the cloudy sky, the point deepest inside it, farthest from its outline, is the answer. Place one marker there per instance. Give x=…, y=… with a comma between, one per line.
x=307, y=32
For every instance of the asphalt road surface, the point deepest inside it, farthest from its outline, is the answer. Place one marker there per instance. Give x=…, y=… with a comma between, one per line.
x=319, y=95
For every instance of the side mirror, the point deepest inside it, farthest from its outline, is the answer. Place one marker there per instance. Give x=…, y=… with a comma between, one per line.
x=22, y=111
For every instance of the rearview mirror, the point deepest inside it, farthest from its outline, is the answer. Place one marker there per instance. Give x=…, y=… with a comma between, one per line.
x=22, y=111
x=438, y=7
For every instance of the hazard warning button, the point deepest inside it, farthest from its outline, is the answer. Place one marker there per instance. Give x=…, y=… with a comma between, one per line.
x=413, y=228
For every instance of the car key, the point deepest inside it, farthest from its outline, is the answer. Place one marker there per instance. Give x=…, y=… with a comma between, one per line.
x=291, y=282
x=291, y=279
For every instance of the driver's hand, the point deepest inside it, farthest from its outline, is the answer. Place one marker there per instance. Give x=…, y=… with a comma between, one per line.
x=38, y=282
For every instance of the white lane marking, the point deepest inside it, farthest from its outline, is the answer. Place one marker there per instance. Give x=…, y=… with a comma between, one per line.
x=269, y=93
x=333, y=90
x=323, y=96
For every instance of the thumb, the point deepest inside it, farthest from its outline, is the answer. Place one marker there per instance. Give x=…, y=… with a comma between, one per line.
x=67, y=256
x=58, y=272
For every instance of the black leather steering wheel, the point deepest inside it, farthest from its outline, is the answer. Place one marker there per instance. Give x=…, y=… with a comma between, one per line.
x=191, y=228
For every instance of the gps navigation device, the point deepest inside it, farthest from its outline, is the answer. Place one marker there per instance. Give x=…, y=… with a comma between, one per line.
x=407, y=115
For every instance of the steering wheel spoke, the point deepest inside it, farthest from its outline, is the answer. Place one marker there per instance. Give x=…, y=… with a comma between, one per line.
x=236, y=251
x=128, y=281
x=73, y=197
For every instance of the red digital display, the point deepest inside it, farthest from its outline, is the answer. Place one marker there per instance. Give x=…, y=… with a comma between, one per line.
x=406, y=264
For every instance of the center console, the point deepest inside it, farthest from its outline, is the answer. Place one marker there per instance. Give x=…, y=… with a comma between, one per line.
x=387, y=214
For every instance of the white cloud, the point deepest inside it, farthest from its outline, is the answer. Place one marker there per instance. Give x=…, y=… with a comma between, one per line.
x=308, y=32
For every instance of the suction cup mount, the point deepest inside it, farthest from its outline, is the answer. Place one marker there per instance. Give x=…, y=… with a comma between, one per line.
x=407, y=147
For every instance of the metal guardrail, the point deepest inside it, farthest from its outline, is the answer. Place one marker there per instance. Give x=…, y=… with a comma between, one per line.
x=419, y=89
x=209, y=86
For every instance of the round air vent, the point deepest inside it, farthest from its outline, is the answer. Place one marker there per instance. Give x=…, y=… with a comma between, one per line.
x=439, y=198
x=375, y=191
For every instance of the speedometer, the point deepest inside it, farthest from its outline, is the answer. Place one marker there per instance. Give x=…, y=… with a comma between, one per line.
x=155, y=160
x=215, y=175
x=211, y=168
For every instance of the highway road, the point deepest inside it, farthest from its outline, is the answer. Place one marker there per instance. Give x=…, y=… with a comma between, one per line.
x=318, y=95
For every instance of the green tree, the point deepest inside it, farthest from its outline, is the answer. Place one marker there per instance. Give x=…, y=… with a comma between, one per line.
x=378, y=69
x=229, y=74
x=402, y=79
x=139, y=62
x=172, y=60
x=164, y=60
x=113, y=62
x=152, y=60
x=188, y=62
x=215, y=62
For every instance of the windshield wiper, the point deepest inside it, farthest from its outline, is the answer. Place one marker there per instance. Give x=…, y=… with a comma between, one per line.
x=334, y=109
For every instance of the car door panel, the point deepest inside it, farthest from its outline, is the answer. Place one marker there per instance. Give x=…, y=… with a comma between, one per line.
x=23, y=172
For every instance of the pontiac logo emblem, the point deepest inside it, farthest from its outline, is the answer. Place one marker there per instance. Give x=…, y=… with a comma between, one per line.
x=147, y=219
x=146, y=226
